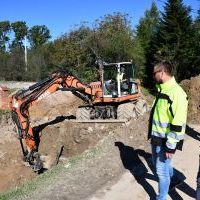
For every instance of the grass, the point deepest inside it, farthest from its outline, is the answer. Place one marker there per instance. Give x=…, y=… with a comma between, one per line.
x=4, y=112
x=31, y=185
x=47, y=178
x=11, y=90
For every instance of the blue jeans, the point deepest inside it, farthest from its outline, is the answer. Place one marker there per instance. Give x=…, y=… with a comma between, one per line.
x=164, y=171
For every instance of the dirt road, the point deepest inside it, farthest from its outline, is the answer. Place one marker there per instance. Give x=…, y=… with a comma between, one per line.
x=129, y=187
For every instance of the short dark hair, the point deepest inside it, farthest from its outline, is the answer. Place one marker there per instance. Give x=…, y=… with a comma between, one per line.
x=166, y=66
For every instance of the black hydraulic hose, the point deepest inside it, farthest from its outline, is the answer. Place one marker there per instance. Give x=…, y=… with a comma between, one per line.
x=20, y=130
x=40, y=83
x=35, y=95
x=22, y=147
x=16, y=121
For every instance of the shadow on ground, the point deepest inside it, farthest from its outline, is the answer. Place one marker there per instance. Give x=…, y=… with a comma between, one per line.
x=184, y=188
x=133, y=160
x=192, y=133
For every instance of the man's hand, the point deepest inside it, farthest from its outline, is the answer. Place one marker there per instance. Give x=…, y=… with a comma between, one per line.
x=168, y=155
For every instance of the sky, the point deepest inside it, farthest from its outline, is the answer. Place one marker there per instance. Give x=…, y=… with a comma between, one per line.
x=60, y=16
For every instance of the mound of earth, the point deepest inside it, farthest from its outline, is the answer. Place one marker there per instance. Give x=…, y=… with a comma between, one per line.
x=192, y=88
x=58, y=104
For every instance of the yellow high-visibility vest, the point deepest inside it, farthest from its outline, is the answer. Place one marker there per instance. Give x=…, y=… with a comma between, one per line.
x=169, y=114
x=120, y=76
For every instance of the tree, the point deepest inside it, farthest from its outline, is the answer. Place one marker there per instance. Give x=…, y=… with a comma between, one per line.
x=147, y=26
x=15, y=65
x=37, y=63
x=71, y=51
x=4, y=38
x=195, y=64
x=4, y=70
x=146, y=30
x=174, y=41
x=20, y=29
x=113, y=38
x=38, y=35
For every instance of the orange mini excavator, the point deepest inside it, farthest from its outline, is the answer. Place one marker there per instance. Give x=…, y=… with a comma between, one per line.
x=101, y=101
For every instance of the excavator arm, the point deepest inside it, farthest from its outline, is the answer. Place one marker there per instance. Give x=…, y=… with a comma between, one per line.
x=21, y=101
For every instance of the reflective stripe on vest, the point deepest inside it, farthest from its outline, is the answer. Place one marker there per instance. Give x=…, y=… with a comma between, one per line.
x=168, y=114
x=169, y=135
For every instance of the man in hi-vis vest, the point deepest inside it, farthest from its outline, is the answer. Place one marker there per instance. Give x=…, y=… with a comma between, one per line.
x=120, y=76
x=167, y=125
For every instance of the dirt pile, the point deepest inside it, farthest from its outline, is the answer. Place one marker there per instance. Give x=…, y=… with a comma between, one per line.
x=192, y=88
x=59, y=104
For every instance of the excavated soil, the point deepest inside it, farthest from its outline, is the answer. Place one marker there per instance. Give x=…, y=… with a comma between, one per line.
x=12, y=170
x=53, y=119
x=192, y=88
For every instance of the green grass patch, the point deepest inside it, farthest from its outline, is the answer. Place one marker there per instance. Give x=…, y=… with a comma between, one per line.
x=11, y=90
x=4, y=112
x=78, y=158
x=32, y=185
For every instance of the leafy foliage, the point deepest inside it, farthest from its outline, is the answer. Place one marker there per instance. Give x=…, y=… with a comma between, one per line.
x=20, y=29
x=146, y=31
x=113, y=38
x=173, y=41
x=4, y=38
x=38, y=35
x=195, y=59
x=171, y=36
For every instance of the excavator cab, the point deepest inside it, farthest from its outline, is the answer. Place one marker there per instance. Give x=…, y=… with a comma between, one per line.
x=118, y=79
